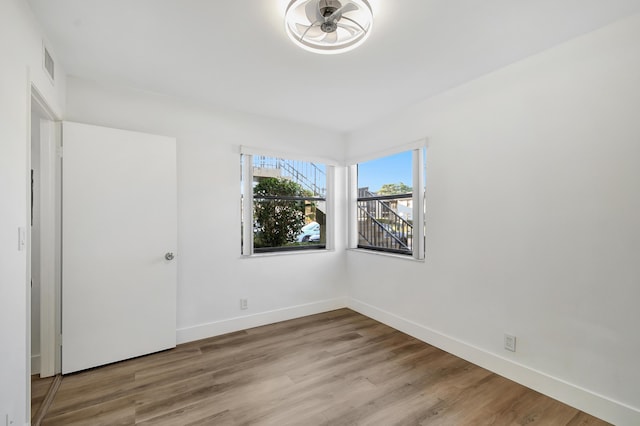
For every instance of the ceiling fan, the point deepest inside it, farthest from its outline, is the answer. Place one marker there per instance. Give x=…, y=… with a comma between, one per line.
x=328, y=26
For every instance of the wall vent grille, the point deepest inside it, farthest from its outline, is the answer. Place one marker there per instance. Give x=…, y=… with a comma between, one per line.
x=49, y=66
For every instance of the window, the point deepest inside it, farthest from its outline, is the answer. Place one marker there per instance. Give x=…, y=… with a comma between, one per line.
x=284, y=204
x=388, y=203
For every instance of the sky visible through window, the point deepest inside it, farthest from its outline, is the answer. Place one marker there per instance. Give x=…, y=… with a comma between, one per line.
x=392, y=169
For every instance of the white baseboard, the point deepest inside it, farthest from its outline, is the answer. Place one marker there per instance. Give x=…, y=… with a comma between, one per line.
x=597, y=405
x=35, y=364
x=218, y=328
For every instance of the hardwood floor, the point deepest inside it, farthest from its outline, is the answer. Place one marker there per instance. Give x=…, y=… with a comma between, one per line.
x=335, y=368
x=39, y=389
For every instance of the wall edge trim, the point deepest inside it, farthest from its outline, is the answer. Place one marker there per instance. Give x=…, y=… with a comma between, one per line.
x=35, y=364
x=217, y=328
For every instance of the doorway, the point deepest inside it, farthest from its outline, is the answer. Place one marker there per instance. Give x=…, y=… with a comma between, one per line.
x=44, y=248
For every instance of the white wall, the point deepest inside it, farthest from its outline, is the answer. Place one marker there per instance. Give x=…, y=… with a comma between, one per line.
x=20, y=66
x=533, y=207
x=212, y=276
x=531, y=227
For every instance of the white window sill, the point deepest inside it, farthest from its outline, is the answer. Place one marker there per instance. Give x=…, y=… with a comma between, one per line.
x=287, y=253
x=386, y=254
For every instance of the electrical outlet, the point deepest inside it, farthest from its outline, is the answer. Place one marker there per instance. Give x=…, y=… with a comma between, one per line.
x=244, y=304
x=510, y=342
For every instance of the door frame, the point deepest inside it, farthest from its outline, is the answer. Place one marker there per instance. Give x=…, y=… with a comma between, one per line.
x=50, y=232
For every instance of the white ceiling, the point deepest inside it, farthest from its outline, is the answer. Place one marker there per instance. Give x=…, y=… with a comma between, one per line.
x=235, y=54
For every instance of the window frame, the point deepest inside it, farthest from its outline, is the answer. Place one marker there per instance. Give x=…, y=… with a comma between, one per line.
x=247, y=242
x=418, y=163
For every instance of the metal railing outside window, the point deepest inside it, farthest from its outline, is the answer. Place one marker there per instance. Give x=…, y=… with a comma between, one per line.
x=381, y=224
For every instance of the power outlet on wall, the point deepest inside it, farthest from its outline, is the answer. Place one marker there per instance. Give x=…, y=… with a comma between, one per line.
x=510, y=342
x=244, y=304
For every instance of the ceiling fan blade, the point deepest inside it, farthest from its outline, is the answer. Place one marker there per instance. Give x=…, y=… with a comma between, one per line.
x=331, y=37
x=349, y=28
x=355, y=22
x=309, y=31
x=312, y=9
x=344, y=9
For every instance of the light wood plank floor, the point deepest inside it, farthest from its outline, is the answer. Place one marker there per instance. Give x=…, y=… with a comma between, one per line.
x=336, y=368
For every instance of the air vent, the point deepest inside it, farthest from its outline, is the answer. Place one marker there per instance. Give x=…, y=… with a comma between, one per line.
x=48, y=64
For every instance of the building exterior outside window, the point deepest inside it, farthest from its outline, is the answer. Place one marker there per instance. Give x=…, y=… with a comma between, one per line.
x=387, y=203
x=284, y=204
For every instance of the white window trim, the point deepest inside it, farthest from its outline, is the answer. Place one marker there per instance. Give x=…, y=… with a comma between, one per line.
x=247, y=211
x=418, y=203
x=418, y=149
x=247, y=204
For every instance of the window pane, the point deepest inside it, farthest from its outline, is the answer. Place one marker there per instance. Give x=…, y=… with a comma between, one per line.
x=392, y=174
x=288, y=224
x=386, y=224
x=385, y=204
x=312, y=177
x=288, y=204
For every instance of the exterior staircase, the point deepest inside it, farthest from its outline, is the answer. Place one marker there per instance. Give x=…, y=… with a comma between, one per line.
x=306, y=174
x=379, y=224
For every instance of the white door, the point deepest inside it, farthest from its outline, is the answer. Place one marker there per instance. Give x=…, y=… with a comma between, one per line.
x=119, y=224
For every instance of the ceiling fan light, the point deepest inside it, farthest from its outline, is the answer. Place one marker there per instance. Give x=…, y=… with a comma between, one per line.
x=328, y=26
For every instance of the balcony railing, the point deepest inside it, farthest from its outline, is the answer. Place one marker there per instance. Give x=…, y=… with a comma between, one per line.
x=381, y=225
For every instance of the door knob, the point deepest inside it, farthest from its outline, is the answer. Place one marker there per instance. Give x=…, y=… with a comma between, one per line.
x=169, y=256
